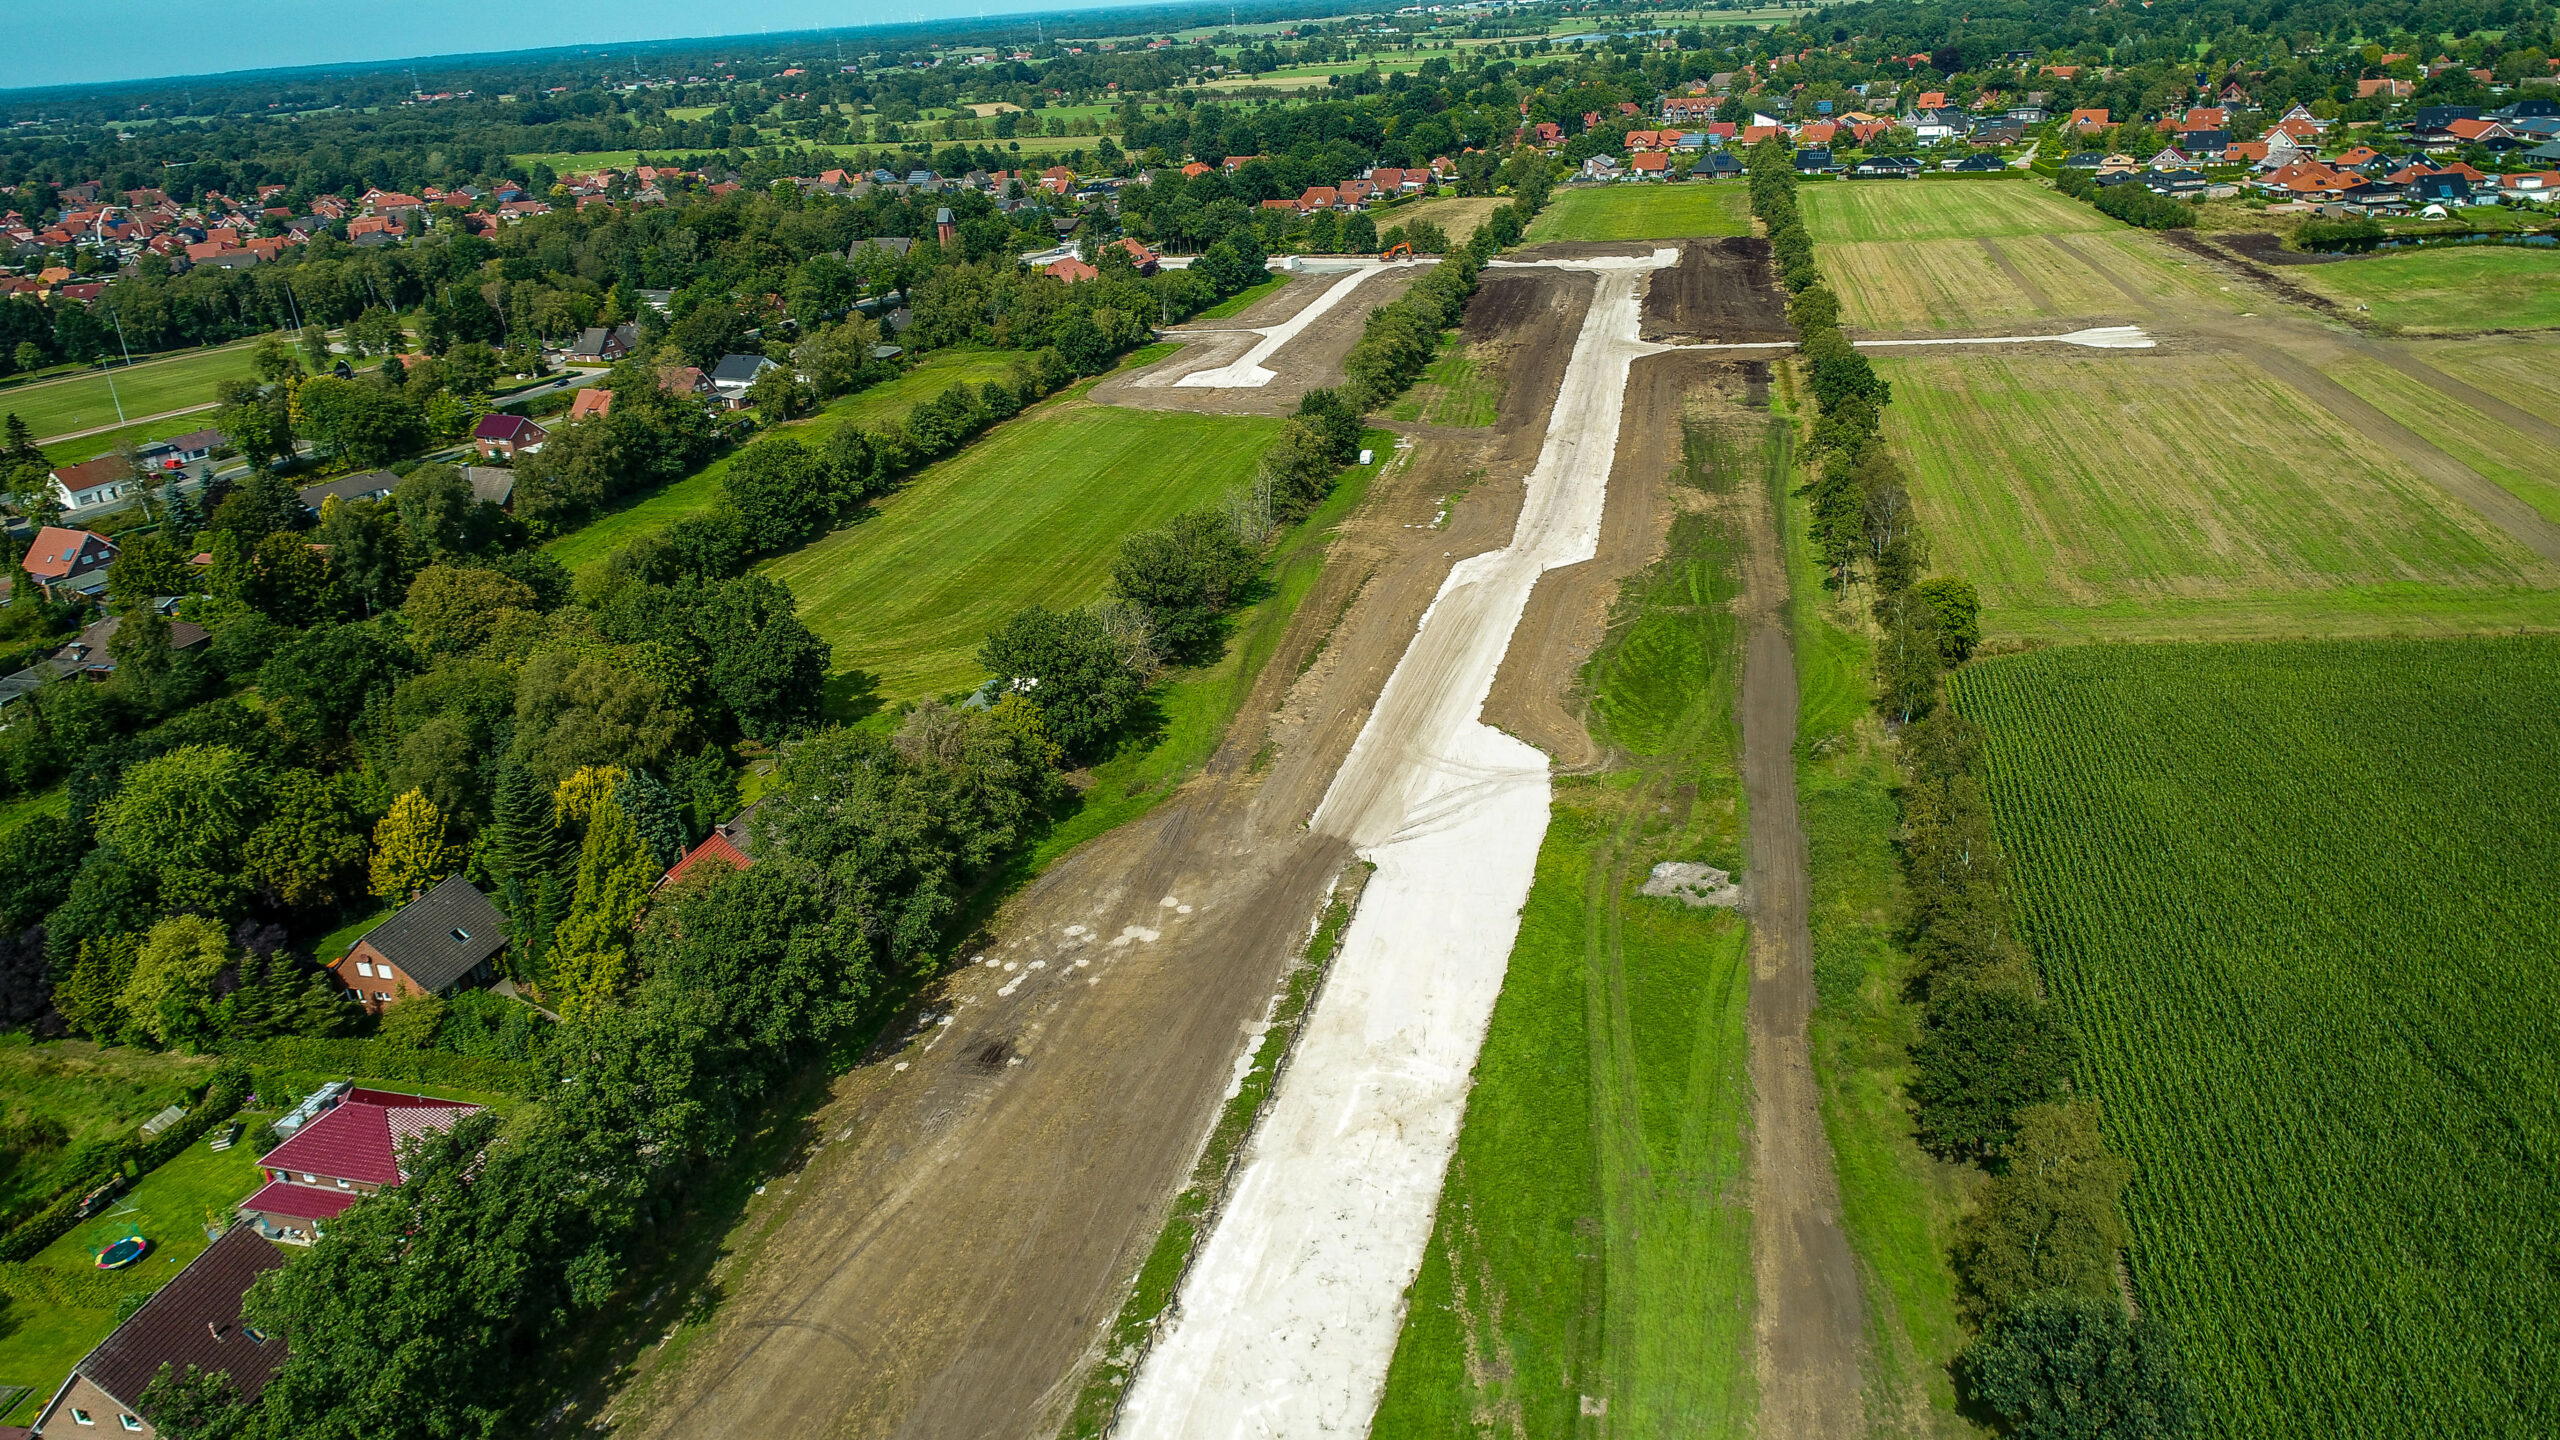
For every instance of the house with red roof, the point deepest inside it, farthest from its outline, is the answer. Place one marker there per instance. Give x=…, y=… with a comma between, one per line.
x=67, y=564
x=2086, y=122
x=1070, y=270
x=728, y=844
x=1650, y=165
x=348, y=1151
x=592, y=403
x=507, y=435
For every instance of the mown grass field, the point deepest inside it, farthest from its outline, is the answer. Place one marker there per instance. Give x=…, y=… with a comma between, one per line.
x=2172, y=495
x=2447, y=291
x=881, y=405
x=1594, y=1232
x=2521, y=463
x=1032, y=513
x=2296, y=900
x=1644, y=212
x=83, y=402
x=2005, y=284
x=1904, y=211
x=2525, y=369
x=1459, y=215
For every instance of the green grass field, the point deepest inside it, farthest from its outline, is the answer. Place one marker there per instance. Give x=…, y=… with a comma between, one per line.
x=881, y=405
x=1898, y=1205
x=1594, y=1232
x=2296, y=900
x=1032, y=513
x=1644, y=212
x=99, y=1094
x=1454, y=390
x=1941, y=210
x=2176, y=495
x=2447, y=291
x=83, y=402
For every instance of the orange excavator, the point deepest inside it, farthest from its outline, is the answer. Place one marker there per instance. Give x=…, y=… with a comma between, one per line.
x=1398, y=251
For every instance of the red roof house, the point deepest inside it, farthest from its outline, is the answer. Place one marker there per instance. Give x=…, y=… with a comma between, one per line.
x=506, y=435
x=350, y=1151
x=67, y=562
x=1070, y=270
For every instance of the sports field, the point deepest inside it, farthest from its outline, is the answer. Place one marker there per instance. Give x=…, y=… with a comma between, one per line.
x=1644, y=212
x=2447, y=291
x=84, y=401
x=1032, y=513
x=2296, y=900
x=2171, y=495
x=1593, y=1242
x=882, y=405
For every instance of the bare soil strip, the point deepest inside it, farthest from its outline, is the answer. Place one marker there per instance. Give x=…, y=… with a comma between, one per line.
x=1290, y=1315
x=961, y=1229
x=1811, y=1354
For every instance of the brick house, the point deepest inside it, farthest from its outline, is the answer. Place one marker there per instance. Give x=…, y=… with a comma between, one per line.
x=508, y=436
x=435, y=945
x=192, y=1320
x=348, y=1151
x=69, y=563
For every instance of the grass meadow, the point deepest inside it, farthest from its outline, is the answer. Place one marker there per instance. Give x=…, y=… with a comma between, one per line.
x=2173, y=495
x=1594, y=1232
x=2295, y=899
x=2000, y=285
x=1031, y=513
x=1644, y=212
x=881, y=405
x=1898, y=1205
x=84, y=401
x=97, y=1094
x=1909, y=210
x=1455, y=389
x=2447, y=291
x=2521, y=464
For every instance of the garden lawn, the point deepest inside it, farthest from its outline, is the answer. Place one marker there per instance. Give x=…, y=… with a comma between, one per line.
x=39, y=1343
x=881, y=405
x=1032, y=513
x=84, y=401
x=2174, y=495
x=99, y=1094
x=170, y=1207
x=2450, y=290
x=1644, y=212
x=1906, y=210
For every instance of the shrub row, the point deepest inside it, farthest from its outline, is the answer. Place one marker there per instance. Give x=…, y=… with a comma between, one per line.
x=44, y=1285
x=387, y=1060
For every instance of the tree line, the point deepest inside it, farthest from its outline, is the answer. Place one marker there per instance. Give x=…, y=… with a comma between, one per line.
x=2055, y=1351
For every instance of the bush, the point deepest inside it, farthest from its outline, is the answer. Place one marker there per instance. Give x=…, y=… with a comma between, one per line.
x=2076, y=1367
x=1987, y=1052
x=1067, y=665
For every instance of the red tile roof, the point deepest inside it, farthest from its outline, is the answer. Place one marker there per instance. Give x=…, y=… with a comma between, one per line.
x=56, y=550
x=714, y=846
x=360, y=1139
x=302, y=1202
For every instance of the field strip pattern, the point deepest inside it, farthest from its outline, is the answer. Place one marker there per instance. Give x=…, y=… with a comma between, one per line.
x=1288, y=1320
x=1246, y=371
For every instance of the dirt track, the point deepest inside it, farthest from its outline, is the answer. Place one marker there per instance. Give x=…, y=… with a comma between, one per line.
x=945, y=1263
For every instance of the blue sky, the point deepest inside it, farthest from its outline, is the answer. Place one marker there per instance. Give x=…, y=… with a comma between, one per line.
x=62, y=42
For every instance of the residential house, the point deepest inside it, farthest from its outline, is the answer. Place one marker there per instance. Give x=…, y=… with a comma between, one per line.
x=1069, y=270
x=349, y=1150
x=371, y=485
x=1651, y=165
x=598, y=345
x=1718, y=165
x=1813, y=160
x=1600, y=167
x=1057, y=179
x=436, y=944
x=491, y=484
x=2538, y=185
x=730, y=843
x=896, y=246
x=592, y=403
x=1693, y=109
x=102, y=481
x=1888, y=167
x=89, y=656
x=507, y=436
x=2086, y=122
x=69, y=564
x=1976, y=164
x=2386, y=89
x=191, y=1322
x=683, y=380
x=1319, y=197
x=731, y=378
x=1139, y=255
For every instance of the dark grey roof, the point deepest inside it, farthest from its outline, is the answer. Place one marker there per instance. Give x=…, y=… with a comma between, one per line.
x=894, y=244
x=422, y=941
x=372, y=484
x=737, y=369
x=194, y=1320
x=492, y=483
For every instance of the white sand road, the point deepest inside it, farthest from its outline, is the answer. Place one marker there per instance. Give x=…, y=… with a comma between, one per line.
x=1246, y=372
x=1288, y=1319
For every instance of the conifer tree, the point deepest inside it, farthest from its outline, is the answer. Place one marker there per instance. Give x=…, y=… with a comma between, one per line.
x=592, y=956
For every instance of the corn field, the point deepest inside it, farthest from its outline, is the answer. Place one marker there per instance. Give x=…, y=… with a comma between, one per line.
x=2303, y=903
